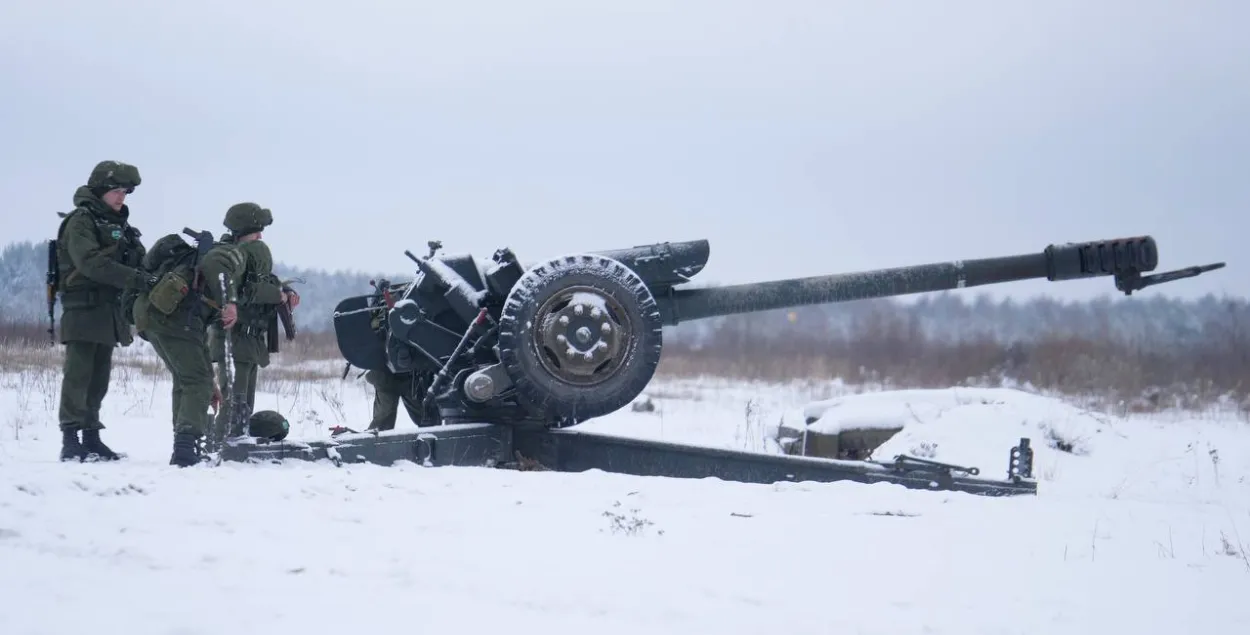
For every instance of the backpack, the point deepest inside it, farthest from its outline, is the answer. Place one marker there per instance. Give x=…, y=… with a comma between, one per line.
x=173, y=261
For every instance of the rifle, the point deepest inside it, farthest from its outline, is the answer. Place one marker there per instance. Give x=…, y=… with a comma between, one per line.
x=281, y=315
x=271, y=332
x=203, y=244
x=52, y=282
x=285, y=314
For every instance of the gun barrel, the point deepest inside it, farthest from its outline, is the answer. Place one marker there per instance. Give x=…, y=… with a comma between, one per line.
x=1073, y=261
x=51, y=280
x=287, y=319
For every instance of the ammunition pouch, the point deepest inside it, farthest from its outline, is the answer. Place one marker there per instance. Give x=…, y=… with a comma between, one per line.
x=254, y=319
x=168, y=293
x=131, y=252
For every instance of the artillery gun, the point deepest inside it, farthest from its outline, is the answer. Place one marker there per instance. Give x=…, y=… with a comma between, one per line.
x=504, y=359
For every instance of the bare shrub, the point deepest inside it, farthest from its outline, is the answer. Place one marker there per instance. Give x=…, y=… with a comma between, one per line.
x=310, y=346
x=1195, y=359
x=888, y=348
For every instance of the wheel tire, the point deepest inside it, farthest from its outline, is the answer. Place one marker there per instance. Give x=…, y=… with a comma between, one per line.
x=561, y=385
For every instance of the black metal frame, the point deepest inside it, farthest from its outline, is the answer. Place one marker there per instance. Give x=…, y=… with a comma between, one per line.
x=570, y=450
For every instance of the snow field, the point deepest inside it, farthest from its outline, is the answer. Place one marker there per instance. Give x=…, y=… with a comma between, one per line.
x=1141, y=525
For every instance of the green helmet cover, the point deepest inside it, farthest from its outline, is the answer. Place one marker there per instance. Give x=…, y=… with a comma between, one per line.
x=111, y=175
x=247, y=218
x=269, y=424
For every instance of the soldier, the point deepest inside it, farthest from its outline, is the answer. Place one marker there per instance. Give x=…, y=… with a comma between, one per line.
x=98, y=256
x=259, y=297
x=389, y=389
x=176, y=322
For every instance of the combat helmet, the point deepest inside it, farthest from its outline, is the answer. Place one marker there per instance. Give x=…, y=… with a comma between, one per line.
x=247, y=218
x=111, y=175
x=268, y=424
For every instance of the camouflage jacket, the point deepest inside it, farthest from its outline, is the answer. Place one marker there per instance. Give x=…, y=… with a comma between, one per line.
x=259, y=297
x=98, y=256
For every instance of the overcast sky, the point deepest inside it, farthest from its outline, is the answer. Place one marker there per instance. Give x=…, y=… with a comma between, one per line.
x=800, y=137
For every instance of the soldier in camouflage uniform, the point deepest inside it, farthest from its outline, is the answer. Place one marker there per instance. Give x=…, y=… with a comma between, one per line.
x=259, y=296
x=389, y=390
x=180, y=339
x=98, y=256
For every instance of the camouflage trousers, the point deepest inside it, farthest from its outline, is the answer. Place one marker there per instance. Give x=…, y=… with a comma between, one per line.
x=187, y=360
x=85, y=377
x=242, y=394
x=389, y=390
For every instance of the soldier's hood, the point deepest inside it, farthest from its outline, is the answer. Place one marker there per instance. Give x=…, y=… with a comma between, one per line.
x=84, y=198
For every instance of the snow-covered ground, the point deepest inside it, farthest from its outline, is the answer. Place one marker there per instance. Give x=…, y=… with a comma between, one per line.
x=1142, y=527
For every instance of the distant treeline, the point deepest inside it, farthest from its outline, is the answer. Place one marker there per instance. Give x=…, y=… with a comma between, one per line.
x=1148, y=351
x=886, y=344
x=942, y=316
x=1192, y=354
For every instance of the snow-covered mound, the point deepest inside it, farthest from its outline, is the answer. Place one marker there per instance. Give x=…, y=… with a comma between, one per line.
x=1074, y=448
x=967, y=426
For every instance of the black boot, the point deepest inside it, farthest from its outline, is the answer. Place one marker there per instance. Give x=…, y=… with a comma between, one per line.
x=92, y=444
x=185, y=453
x=71, y=449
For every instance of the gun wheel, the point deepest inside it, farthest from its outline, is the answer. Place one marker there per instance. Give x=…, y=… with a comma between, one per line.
x=580, y=336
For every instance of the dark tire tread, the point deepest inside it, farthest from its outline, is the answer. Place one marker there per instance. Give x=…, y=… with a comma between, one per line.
x=558, y=402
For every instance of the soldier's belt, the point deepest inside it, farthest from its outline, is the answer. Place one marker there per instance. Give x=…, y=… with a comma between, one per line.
x=89, y=297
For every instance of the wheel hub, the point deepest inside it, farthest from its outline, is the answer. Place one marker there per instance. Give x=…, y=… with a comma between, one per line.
x=581, y=333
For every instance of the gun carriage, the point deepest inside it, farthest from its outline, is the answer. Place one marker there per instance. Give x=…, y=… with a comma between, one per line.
x=507, y=360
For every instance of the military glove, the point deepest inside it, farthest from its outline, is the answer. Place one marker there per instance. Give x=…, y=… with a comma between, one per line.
x=144, y=281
